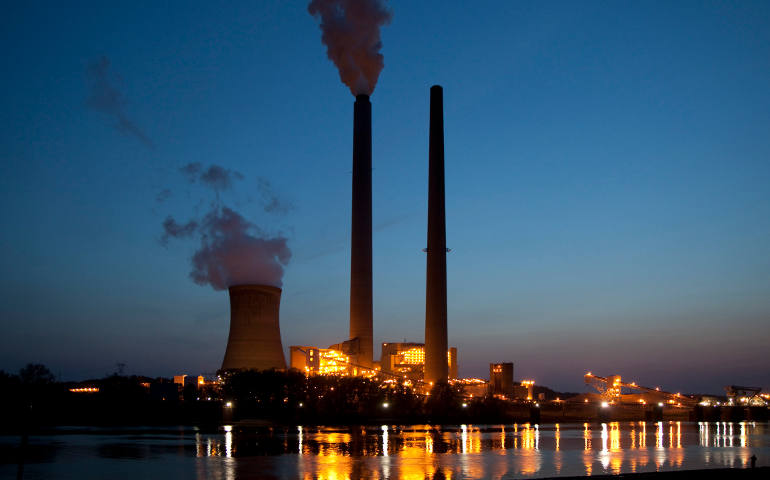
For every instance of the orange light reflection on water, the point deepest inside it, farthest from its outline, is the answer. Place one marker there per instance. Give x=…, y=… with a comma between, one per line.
x=486, y=451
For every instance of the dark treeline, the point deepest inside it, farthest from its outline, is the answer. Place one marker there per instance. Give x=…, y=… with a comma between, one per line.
x=32, y=400
x=291, y=397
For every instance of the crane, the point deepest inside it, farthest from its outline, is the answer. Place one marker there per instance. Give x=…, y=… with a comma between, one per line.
x=610, y=389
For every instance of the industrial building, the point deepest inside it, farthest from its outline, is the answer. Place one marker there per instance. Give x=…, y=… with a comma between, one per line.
x=501, y=379
x=402, y=359
x=323, y=361
x=408, y=359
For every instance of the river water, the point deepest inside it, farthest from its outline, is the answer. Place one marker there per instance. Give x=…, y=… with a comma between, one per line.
x=388, y=451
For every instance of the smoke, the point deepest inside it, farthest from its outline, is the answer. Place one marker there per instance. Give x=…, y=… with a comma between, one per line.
x=271, y=202
x=215, y=177
x=172, y=229
x=106, y=98
x=163, y=195
x=350, y=29
x=191, y=171
x=234, y=251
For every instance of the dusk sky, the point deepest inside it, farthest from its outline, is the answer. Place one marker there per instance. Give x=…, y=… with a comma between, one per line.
x=607, y=183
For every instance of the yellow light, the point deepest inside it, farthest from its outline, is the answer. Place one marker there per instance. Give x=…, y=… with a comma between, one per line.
x=84, y=390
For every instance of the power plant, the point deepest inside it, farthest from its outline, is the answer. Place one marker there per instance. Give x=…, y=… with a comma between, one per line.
x=255, y=339
x=432, y=361
x=436, y=341
x=255, y=336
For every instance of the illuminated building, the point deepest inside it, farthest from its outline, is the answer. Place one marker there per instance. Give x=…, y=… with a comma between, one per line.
x=473, y=387
x=408, y=359
x=188, y=380
x=501, y=378
x=322, y=361
x=525, y=390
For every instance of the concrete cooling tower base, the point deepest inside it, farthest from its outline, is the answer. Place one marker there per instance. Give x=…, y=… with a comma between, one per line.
x=255, y=336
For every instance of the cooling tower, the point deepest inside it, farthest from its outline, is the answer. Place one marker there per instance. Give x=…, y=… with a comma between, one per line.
x=435, y=293
x=361, y=232
x=255, y=337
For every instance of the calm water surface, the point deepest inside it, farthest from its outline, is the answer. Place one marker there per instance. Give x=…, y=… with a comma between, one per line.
x=390, y=452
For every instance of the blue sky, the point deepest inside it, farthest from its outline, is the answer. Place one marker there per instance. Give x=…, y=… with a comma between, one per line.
x=607, y=169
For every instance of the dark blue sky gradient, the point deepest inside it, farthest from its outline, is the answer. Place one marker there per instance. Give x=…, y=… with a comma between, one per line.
x=607, y=168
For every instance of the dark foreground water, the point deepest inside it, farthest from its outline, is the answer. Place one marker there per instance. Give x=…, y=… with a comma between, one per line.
x=389, y=452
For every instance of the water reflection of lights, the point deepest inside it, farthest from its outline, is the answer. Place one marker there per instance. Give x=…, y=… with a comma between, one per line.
x=604, y=455
x=703, y=430
x=670, y=436
x=587, y=457
x=660, y=451
x=300, y=435
x=605, y=436
x=744, y=438
x=530, y=437
x=557, y=461
x=556, y=434
x=614, y=437
x=384, y=440
x=472, y=451
x=228, y=441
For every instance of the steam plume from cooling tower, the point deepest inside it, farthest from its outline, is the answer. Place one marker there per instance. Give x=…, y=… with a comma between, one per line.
x=232, y=250
x=351, y=32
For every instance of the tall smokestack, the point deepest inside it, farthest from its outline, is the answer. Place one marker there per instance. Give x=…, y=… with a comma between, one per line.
x=255, y=337
x=361, y=232
x=436, y=369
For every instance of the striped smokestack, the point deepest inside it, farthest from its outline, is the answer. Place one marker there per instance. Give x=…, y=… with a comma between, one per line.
x=436, y=344
x=361, y=232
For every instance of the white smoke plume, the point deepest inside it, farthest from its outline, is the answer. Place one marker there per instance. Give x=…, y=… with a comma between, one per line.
x=350, y=29
x=234, y=251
